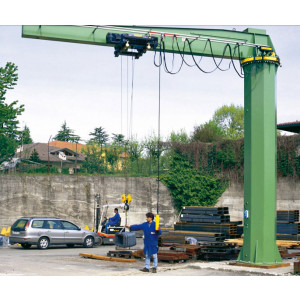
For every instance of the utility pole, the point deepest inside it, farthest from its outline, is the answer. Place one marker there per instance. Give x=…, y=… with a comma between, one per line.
x=49, y=152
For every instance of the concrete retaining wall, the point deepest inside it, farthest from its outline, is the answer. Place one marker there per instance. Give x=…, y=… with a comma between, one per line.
x=73, y=198
x=288, y=197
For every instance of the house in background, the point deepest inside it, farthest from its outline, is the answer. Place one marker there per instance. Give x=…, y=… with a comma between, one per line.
x=82, y=148
x=52, y=156
x=293, y=127
x=72, y=146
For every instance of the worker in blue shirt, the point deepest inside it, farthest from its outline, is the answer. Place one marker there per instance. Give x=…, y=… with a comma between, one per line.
x=114, y=221
x=150, y=241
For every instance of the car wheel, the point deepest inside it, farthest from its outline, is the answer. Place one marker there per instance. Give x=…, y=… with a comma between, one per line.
x=70, y=245
x=43, y=243
x=88, y=242
x=26, y=246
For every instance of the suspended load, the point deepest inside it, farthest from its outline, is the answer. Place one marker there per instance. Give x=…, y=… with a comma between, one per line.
x=126, y=239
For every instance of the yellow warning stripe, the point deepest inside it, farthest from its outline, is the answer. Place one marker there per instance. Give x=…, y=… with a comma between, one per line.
x=269, y=58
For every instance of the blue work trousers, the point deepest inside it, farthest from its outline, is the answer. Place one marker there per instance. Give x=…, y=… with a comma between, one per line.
x=109, y=223
x=147, y=260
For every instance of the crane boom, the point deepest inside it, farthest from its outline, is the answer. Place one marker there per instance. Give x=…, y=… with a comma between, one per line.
x=249, y=40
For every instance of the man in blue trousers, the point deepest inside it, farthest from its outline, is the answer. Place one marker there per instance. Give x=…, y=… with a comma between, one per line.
x=114, y=220
x=150, y=241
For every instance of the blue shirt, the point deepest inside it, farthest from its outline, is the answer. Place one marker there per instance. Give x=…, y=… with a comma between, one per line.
x=115, y=219
x=150, y=236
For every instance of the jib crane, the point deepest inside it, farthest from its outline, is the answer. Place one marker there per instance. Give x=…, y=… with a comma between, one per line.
x=253, y=50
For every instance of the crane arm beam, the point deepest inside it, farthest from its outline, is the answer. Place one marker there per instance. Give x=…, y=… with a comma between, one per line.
x=175, y=38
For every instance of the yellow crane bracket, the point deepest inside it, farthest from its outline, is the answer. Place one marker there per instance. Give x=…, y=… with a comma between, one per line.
x=123, y=198
x=129, y=198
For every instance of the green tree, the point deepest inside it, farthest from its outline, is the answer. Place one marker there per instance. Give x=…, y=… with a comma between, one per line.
x=189, y=187
x=180, y=136
x=118, y=139
x=34, y=156
x=154, y=149
x=112, y=157
x=231, y=119
x=66, y=134
x=100, y=137
x=94, y=161
x=25, y=137
x=208, y=132
x=9, y=133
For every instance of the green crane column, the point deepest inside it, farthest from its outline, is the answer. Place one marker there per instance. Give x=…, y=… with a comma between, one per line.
x=260, y=162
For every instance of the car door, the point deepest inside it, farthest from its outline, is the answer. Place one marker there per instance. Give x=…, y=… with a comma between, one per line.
x=55, y=231
x=73, y=234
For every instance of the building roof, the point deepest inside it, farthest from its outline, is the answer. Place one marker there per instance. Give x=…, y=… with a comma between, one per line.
x=46, y=152
x=72, y=146
x=290, y=126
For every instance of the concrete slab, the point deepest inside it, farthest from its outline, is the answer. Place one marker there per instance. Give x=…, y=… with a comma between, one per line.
x=62, y=261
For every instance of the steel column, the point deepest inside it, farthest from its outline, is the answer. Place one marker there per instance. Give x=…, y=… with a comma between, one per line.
x=260, y=164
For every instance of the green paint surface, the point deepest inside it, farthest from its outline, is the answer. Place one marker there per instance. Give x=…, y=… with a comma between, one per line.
x=89, y=35
x=260, y=165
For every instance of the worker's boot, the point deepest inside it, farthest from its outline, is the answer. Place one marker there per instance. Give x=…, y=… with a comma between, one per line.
x=145, y=270
x=154, y=270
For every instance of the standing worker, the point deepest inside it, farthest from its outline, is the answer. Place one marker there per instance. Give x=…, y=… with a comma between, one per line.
x=150, y=240
x=114, y=221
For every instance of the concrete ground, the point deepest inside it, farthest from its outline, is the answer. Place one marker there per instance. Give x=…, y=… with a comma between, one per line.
x=63, y=261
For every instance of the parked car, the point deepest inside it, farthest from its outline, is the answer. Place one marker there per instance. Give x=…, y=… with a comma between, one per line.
x=44, y=232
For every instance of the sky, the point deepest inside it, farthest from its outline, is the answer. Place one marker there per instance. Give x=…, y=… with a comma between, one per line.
x=81, y=84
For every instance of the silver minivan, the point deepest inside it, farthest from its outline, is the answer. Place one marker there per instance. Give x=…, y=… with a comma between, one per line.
x=44, y=232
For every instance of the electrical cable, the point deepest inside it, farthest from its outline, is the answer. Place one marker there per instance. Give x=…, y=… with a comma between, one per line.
x=161, y=49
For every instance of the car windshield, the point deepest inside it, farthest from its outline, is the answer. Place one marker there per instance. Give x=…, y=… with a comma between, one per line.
x=19, y=225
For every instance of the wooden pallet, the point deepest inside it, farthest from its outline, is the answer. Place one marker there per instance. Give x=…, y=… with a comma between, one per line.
x=280, y=243
x=120, y=253
x=100, y=257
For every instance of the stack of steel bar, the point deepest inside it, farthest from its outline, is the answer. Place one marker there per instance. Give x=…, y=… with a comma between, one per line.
x=205, y=224
x=166, y=254
x=219, y=251
x=208, y=219
x=205, y=214
x=193, y=251
x=280, y=243
x=228, y=229
x=290, y=216
x=179, y=237
x=288, y=226
x=288, y=237
x=166, y=239
x=285, y=253
x=172, y=256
